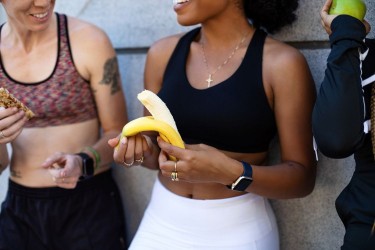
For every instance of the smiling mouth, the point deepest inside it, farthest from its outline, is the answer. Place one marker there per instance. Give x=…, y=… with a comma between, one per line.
x=41, y=15
x=180, y=1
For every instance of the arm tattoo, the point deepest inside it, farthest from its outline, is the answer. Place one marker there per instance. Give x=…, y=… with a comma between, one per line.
x=111, y=75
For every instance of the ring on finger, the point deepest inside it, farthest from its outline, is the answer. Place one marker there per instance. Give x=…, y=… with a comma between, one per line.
x=140, y=161
x=128, y=164
x=174, y=176
x=2, y=134
x=175, y=166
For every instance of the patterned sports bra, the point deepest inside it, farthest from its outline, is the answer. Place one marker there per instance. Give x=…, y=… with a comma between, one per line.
x=64, y=97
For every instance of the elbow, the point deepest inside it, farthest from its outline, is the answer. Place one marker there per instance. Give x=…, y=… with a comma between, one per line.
x=308, y=182
x=336, y=147
x=334, y=151
x=336, y=144
x=304, y=181
x=4, y=158
x=3, y=165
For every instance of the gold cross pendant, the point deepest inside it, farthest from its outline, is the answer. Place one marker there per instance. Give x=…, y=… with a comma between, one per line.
x=209, y=80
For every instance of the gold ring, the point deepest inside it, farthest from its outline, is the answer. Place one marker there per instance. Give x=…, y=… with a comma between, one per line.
x=174, y=176
x=140, y=161
x=128, y=164
x=2, y=134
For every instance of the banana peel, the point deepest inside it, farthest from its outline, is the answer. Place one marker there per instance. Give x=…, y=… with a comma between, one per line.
x=161, y=121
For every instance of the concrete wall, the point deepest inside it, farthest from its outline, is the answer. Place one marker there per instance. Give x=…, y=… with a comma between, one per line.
x=310, y=223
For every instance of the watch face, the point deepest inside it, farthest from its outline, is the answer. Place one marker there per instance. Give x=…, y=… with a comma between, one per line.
x=243, y=183
x=88, y=164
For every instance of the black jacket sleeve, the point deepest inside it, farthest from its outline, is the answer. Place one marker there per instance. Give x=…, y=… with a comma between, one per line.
x=339, y=111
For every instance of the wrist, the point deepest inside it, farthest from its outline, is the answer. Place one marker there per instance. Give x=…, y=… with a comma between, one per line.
x=87, y=166
x=93, y=154
x=242, y=182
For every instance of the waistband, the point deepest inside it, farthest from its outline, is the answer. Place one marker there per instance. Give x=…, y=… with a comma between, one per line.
x=96, y=181
x=243, y=218
x=183, y=202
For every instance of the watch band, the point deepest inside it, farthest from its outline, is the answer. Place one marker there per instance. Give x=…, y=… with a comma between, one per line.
x=87, y=165
x=244, y=181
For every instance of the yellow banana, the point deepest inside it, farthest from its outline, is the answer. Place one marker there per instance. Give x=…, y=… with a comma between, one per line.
x=157, y=108
x=148, y=123
x=161, y=121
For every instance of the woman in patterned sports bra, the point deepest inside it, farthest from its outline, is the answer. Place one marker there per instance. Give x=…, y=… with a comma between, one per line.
x=230, y=87
x=61, y=192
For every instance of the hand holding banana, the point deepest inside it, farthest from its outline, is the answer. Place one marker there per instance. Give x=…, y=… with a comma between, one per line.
x=161, y=121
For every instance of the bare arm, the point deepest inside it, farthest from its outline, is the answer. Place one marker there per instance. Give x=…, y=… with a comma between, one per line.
x=291, y=92
x=128, y=150
x=4, y=158
x=98, y=63
x=95, y=59
x=11, y=125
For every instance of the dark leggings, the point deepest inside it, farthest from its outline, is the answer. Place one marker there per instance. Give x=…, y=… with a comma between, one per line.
x=89, y=217
x=356, y=208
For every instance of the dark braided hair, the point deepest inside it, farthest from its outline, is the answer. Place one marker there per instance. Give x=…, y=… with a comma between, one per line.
x=270, y=14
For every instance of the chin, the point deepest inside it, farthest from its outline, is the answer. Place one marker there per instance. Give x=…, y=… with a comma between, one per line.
x=185, y=22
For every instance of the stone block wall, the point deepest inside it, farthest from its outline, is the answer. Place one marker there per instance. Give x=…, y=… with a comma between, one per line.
x=310, y=223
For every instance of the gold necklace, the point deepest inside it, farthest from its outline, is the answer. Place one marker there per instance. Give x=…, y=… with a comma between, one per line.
x=209, y=80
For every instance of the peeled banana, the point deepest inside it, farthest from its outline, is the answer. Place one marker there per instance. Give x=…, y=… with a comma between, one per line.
x=161, y=121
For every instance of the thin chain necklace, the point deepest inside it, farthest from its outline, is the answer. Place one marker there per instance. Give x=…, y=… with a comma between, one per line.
x=209, y=80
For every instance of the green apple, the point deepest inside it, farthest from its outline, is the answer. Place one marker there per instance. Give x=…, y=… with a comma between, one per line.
x=354, y=8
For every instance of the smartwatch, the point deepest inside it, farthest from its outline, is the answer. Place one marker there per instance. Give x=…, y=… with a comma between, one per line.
x=244, y=180
x=87, y=166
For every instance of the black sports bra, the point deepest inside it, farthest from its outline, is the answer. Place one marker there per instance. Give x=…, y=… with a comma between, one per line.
x=233, y=115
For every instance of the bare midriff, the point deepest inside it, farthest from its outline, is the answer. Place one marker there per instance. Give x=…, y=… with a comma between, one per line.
x=34, y=145
x=211, y=190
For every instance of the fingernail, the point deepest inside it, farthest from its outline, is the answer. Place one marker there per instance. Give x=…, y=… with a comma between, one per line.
x=123, y=140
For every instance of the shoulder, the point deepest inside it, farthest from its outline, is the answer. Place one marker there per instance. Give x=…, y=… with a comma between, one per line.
x=91, y=47
x=281, y=55
x=285, y=68
x=163, y=48
x=282, y=59
x=86, y=33
x=157, y=60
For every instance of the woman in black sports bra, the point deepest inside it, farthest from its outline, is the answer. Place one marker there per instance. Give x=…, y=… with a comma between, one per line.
x=230, y=87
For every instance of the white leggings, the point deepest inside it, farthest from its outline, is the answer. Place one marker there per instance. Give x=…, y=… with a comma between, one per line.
x=246, y=222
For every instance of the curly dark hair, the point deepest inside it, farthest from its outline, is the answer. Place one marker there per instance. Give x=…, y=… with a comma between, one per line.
x=271, y=14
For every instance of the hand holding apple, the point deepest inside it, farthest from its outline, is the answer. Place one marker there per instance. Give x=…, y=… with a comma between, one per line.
x=327, y=16
x=354, y=8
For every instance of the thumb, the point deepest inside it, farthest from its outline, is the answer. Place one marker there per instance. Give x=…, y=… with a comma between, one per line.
x=53, y=161
x=170, y=149
x=113, y=142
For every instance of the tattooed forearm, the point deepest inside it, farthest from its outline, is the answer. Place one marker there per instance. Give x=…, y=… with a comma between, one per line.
x=111, y=75
x=15, y=174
